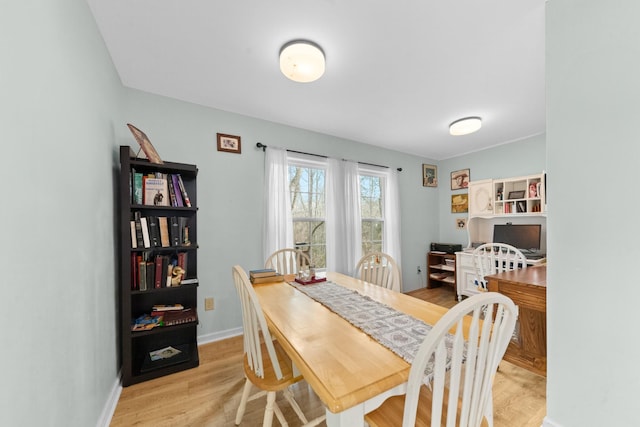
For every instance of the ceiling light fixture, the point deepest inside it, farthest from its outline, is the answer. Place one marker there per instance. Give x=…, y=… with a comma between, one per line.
x=465, y=126
x=302, y=61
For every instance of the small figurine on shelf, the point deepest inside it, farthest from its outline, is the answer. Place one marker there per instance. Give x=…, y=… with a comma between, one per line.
x=176, y=274
x=499, y=195
x=533, y=190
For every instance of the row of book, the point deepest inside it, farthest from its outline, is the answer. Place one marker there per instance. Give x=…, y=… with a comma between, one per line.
x=159, y=271
x=172, y=315
x=159, y=231
x=158, y=189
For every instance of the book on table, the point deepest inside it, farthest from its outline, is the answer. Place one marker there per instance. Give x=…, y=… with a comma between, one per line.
x=267, y=279
x=265, y=272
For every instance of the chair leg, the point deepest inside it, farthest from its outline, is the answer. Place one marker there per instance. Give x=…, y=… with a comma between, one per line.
x=243, y=401
x=289, y=396
x=268, y=410
x=279, y=415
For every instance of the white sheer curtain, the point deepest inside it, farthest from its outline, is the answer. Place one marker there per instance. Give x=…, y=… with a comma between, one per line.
x=343, y=223
x=278, y=225
x=391, y=237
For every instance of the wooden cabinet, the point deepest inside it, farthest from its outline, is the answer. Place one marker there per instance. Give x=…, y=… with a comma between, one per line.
x=528, y=290
x=138, y=296
x=441, y=269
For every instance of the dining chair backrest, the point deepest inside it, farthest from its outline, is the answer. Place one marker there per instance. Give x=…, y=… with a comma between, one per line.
x=380, y=269
x=463, y=369
x=254, y=324
x=493, y=258
x=288, y=261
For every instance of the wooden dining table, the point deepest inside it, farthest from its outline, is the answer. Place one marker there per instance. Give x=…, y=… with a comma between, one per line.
x=349, y=371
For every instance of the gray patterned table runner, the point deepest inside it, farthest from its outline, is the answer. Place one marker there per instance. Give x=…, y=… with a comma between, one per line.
x=399, y=332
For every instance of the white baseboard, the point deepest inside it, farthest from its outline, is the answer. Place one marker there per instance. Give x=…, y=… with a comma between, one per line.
x=548, y=422
x=217, y=336
x=111, y=403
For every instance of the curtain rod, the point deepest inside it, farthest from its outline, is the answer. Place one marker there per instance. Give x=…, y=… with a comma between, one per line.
x=264, y=147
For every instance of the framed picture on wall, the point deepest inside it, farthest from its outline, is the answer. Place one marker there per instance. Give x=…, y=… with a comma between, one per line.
x=460, y=179
x=429, y=175
x=460, y=203
x=229, y=143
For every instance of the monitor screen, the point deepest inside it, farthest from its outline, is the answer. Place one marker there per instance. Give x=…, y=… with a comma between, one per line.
x=522, y=236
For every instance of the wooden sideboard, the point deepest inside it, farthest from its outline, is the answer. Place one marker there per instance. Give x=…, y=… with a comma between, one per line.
x=528, y=290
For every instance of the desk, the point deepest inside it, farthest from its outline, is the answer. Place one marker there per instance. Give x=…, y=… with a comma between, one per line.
x=350, y=372
x=528, y=290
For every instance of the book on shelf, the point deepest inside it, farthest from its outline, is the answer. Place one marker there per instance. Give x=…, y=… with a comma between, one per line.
x=136, y=178
x=179, y=317
x=177, y=191
x=164, y=353
x=191, y=281
x=163, y=224
x=139, y=237
x=154, y=231
x=172, y=193
x=146, y=322
x=182, y=262
x=268, y=279
x=146, y=239
x=265, y=272
x=174, y=230
x=134, y=239
x=167, y=307
x=156, y=192
x=183, y=191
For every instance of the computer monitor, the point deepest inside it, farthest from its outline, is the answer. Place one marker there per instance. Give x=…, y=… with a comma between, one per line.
x=525, y=237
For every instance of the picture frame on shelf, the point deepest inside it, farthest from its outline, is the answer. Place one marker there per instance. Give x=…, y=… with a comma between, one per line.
x=429, y=175
x=229, y=143
x=518, y=194
x=460, y=179
x=460, y=203
x=146, y=146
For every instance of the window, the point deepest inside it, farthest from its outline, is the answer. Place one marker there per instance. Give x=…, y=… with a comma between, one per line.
x=371, y=211
x=307, y=192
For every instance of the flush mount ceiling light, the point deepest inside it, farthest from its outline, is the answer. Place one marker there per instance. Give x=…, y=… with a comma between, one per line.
x=302, y=61
x=465, y=126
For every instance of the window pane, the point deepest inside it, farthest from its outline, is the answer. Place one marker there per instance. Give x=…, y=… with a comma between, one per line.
x=371, y=204
x=306, y=187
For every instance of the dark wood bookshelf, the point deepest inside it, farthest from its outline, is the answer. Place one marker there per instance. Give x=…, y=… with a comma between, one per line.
x=135, y=346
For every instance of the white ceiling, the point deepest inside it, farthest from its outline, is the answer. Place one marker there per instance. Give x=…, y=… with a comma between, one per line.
x=398, y=71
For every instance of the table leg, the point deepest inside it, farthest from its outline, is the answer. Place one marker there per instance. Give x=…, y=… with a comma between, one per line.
x=352, y=417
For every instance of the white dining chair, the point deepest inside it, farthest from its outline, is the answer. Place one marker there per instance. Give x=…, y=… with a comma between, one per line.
x=288, y=261
x=458, y=393
x=266, y=365
x=493, y=258
x=380, y=269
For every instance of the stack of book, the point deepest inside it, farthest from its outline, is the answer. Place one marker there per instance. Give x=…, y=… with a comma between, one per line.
x=266, y=275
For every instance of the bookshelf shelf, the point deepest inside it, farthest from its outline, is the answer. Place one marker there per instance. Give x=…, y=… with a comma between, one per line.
x=147, y=264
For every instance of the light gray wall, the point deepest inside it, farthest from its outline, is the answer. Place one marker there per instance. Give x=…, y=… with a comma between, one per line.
x=230, y=190
x=59, y=105
x=519, y=158
x=593, y=69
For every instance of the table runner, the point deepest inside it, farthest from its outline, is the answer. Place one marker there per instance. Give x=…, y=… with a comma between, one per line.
x=397, y=331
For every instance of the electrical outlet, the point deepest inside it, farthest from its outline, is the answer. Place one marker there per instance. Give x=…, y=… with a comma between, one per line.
x=208, y=303
x=419, y=270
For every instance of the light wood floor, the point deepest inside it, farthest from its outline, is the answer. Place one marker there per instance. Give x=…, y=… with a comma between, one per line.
x=209, y=394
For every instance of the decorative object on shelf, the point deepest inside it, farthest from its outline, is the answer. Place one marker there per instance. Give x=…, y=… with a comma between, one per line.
x=459, y=203
x=461, y=223
x=460, y=179
x=429, y=175
x=516, y=194
x=229, y=143
x=145, y=144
